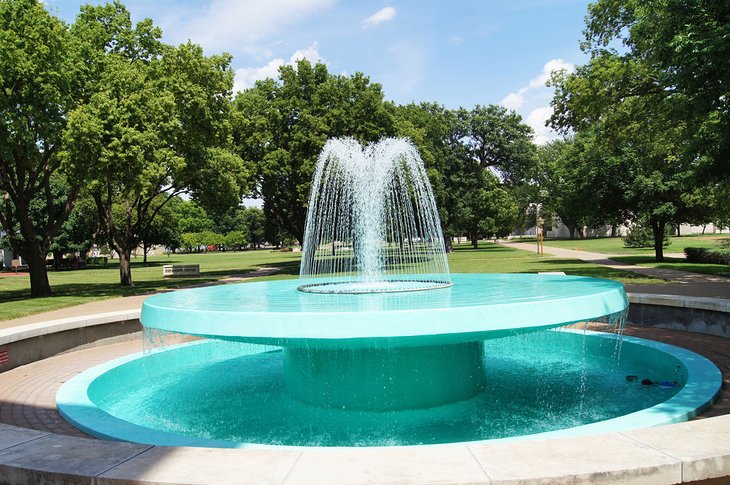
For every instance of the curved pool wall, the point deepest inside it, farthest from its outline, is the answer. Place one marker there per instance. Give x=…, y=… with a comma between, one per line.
x=76, y=398
x=428, y=342
x=477, y=307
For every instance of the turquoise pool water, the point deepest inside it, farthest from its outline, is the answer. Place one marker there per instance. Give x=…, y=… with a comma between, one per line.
x=210, y=393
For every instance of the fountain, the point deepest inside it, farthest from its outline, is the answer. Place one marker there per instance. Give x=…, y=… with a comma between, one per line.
x=372, y=224
x=352, y=354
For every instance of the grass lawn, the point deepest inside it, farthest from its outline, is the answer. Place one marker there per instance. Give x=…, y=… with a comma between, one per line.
x=81, y=286
x=677, y=264
x=615, y=245
x=77, y=287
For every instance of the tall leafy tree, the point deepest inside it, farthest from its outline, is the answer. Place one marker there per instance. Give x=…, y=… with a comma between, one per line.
x=642, y=119
x=155, y=126
x=685, y=47
x=499, y=141
x=38, y=87
x=281, y=126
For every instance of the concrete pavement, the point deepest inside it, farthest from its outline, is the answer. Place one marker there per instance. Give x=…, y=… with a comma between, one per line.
x=679, y=282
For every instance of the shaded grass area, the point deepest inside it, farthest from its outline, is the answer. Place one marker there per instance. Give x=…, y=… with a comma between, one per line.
x=82, y=286
x=677, y=264
x=615, y=245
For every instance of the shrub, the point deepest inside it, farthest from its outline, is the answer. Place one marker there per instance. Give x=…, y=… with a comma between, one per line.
x=706, y=256
x=641, y=236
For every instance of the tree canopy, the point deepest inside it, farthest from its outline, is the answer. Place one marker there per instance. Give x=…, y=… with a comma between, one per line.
x=155, y=126
x=39, y=85
x=280, y=126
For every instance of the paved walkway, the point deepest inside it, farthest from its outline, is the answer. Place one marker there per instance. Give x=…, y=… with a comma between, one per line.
x=680, y=282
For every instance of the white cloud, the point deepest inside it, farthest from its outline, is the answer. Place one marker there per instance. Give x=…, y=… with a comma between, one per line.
x=547, y=70
x=513, y=101
x=383, y=15
x=246, y=77
x=531, y=99
x=237, y=24
x=536, y=120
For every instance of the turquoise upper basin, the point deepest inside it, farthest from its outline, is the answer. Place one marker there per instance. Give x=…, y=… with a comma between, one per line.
x=476, y=307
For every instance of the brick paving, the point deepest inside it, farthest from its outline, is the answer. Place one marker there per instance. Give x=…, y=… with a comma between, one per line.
x=28, y=393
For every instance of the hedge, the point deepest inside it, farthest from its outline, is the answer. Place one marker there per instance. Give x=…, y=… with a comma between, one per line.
x=703, y=255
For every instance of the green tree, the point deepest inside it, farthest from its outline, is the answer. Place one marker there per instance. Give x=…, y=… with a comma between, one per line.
x=192, y=217
x=210, y=238
x=462, y=151
x=499, y=141
x=438, y=133
x=80, y=231
x=39, y=85
x=254, y=223
x=488, y=211
x=236, y=240
x=191, y=241
x=281, y=127
x=155, y=126
x=684, y=45
x=636, y=118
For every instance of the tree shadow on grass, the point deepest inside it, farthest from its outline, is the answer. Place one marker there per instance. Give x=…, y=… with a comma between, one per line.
x=96, y=290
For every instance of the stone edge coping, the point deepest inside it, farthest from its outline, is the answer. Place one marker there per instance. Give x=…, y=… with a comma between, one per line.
x=693, y=450
x=31, y=330
x=681, y=301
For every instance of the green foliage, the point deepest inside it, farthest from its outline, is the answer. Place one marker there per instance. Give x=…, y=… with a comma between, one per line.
x=462, y=150
x=638, y=122
x=236, y=240
x=155, y=125
x=685, y=45
x=707, y=256
x=641, y=236
x=281, y=127
x=40, y=84
x=190, y=240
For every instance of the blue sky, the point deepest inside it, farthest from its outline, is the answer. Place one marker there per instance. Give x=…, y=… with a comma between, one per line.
x=458, y=53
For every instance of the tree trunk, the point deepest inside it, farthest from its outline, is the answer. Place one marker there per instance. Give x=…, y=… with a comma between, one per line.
x=474, y=240
x=581, y=232
x=125, y=268
x=703, y=229
x=678, y=233
x=571, y=231
x=145, y=249
x=36, y=257
x=613, y=230
x=448, y=246
x=657, y=228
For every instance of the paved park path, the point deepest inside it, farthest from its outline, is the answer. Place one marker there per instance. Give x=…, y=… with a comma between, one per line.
x=680, y=282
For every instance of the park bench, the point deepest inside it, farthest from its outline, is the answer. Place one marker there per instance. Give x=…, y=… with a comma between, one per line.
x=177, y=270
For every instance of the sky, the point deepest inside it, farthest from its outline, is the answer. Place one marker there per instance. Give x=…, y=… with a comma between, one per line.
x=458, y=53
